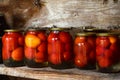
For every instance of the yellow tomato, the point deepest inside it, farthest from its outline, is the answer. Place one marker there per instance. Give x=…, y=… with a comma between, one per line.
x=32, y=41
x=112, y=39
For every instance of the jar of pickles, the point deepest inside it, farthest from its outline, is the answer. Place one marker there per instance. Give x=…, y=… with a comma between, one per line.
x=12, y=49
x=36, y=48
x=84, y=50
x=60, y=53
x=107, y=52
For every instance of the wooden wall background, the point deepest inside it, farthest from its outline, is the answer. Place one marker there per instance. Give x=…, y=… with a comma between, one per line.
x=62, y=13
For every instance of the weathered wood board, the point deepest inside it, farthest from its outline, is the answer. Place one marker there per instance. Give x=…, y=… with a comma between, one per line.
x=63, y=13
x=53, y=74
x=76, y=13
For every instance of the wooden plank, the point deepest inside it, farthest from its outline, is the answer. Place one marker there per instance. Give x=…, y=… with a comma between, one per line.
x=76, y=13
x=53, y=74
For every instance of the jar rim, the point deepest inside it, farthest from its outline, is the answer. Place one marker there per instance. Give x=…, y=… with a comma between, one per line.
x=107, y=34
x=86, y=34
x=95, y=30
x=57, y=28
x=13, y=30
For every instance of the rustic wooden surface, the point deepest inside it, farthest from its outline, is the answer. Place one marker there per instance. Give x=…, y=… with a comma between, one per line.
x=77, y=13
x=52, y=74
x=62, y=13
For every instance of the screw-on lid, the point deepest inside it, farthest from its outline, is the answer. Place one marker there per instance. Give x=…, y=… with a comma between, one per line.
x=13, y=30
x=107, y=34
x=85, y=34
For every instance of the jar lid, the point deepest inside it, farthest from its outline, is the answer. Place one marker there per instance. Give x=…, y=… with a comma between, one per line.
x=32, y=29
x=57, y=28
x=13, y=30
x=107, y=34
x=95, y=30
x=85, y=34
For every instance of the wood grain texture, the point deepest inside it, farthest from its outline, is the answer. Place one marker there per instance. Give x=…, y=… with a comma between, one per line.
x=62, y=13
x=52, y=74
x=76, y=13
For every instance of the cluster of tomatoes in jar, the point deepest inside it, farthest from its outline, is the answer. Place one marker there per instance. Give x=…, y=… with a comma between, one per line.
x=59, y=50
x=60, y=53
x=12, y=49
x=107, y=51
x=84, y=51
x=35, y=48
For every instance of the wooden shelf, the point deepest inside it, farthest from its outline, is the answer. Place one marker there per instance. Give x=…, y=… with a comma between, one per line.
x=53, y=74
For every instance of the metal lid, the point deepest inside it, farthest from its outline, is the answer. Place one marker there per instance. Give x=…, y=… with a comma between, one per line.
x=107, y=34
x=85, y=34
x=13, y=30
x=56, y=29
x=96, y=30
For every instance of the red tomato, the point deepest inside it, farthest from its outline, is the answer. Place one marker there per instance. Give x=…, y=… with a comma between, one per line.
x=100, y=51
x=50, y=51
x=21, y=40
x=76, y=49
x=104, y=63
x=6, y=54
x=17, y=54
x=65, y=37
x=42, y=36
x=42, y=47
x=114, y=47
x=68, y=47
x=103, y=42
x=40, y=57
x=91, y=41
x=10, y=43
x=30, y=52
x=58, y=47
x=97, y=41
x=81, y=39
x=52, y=37
x=80, y=61
x=108, y=53
x=67, y=56
x=92, y=57
x=54, y=58
x=83, y=48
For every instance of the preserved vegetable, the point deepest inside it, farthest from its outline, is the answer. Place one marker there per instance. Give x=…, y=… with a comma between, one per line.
x=84, y=51
x=107, y=52
x=36, y=48
x=60, y=52
x=13, y=48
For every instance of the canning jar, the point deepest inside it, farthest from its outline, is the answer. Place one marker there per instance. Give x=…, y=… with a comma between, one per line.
x=12, y=49
x=84, y=50
x=107, y=52
x=3, y=26
x=35, y=48
x=60, y=53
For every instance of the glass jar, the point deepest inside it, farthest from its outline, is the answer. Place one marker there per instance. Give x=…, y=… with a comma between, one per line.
x=12, y=49
x=84, y=50
x=60, y=53
x=36, y=48
x=3, y=26
x=107, y=52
